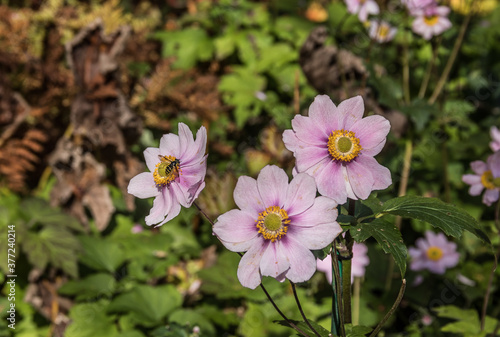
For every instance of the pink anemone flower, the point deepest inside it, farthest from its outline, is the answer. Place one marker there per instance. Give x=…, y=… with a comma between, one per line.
x=495, y=135
x=487, y=176
x=335, y=145
x=177, y=173
x=277, y=225
x=363, y=8
x=433, y=253
x=431, y=21
x=359, y=262
x=381, y=31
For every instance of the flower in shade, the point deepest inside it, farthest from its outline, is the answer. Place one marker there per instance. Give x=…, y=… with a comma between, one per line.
x=359, y=262
x=415, y=6
x=177, y=173
x=434, y=253
x=336, y=146
x=381, y=31
x=487, y=176
x=277, y=225
x=495, y=135
x=431, y=21
x=363, y=8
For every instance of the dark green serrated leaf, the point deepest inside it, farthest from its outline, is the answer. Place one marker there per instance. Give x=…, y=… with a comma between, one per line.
x=89, y=287
x=39, y=211
x=90, y=320
x=101, y=254
x=192, y=318
x=150, y=305
x=387, y=235
x=450, y=219
x=467, y=321
x=305, y=328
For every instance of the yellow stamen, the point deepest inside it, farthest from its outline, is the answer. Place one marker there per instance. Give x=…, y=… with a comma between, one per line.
x=343, y=145
x=383, y=30
x=272, y=223
x=434, y=253
x=167, y=170
x=431, y=20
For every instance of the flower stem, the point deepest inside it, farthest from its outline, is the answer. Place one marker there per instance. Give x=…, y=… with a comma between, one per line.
x=204, y=214
x=406, y=73
x=389, y=314
x=301, y=311
x=355, y=300
x=338, y=310
x=430, y=66
x=492, y=274
x=451, y=60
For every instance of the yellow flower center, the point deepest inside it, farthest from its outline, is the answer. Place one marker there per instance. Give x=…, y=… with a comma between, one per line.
x=167, y=170
x=272, y=223
x=383, y=31
x=434, y=253
x=488, y=181
x=431, y=20
x=343, y=145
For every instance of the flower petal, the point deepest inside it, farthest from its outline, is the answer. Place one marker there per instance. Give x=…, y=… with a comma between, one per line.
x=196, y=151
x=249, y=267
x=272, y=183
x=371, y=131
x=479, y=167
x=329, y=180
x=300, y=194
x=302, y=261
x=324, y=210
x=291, y=141
x=309, y=155
x=161, y=206
x=169, y=145
x=381, y=174
x=317, y=236
x=471, y=179
x=490, y=196
x=308, y=131
x=247, y=196
x=325, y=115
x=494, y=164
x=360, y=178
x=273, y=262
x=151, y=156
x=143, y=186
x=351, y=110
x=236, y=229
x=476, y=189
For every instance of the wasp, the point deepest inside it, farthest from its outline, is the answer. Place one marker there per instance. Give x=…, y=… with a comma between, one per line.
x=167, y=166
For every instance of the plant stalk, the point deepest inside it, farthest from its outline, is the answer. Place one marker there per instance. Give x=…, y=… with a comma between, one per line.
x=301, y=311
x=393, y=309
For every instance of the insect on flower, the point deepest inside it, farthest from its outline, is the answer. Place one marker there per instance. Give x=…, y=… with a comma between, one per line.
x=167, y=166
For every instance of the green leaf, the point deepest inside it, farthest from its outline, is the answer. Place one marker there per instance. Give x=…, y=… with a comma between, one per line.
x=54, y=245
x=150, y=305
x=192, y=318
x=101, y=254
x=92, y=286
x=305, y=328
x=90, y=320
x=450, y=219
x=39, y=211
x=357, y=331
x=387, y=235
x=467, y=321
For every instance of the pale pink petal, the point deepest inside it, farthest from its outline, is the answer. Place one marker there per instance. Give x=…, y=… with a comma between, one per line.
x=309, y=155
x=172, y=213
x=317, y=236
x=381, y=174
x=302, y=261
x=236, y=229
x=186, y=140
x=143, y=186
x=442, y=10
x=494, y=164
x=479, y=167
x=272, y=183
x=476, y=189
x=273, y=262
x=371, y=131
x=161, y=206
x=300, y=194
x=151, y=157
x=291, y=141
x=422, y=244
x=169, y=145
x=352, y=110
x=436, y=268
x=247, y=197
x=325, y=115
x=308, y=131
x=324, y=210
x=326, y=267
x=360, y=178
x=490, y=196
x=329, y=180
x=471, y=179
x=196, y=152
x=249, y=267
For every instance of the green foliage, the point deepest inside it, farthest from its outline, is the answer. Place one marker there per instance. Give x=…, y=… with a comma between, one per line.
x=467, y=321
x=387, y=235
x=303, y=326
